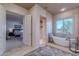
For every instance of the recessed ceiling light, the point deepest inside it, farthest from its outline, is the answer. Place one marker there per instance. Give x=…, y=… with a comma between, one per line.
x=63, y=9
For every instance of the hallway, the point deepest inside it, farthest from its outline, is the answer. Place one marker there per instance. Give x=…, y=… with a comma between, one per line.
x=13, y=43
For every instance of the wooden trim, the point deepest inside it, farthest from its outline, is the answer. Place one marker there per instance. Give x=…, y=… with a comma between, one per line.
x=44, y=18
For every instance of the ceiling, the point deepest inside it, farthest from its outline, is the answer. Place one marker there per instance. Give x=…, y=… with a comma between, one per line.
x=26, y=5
x=53, y=8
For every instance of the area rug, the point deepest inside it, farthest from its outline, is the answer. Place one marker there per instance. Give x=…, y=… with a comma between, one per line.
x=48, y=51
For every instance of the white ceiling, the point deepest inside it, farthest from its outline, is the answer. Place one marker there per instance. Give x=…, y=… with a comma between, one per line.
x=54, y=8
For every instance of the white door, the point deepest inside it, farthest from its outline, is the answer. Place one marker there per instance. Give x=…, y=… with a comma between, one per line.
x=2, y=30
x=27, y=30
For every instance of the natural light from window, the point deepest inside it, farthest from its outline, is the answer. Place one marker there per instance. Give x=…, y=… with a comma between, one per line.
x=64, y=25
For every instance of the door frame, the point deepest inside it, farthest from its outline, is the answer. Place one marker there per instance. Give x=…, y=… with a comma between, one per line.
x=13, y=13
x=24, y=16
x=43, y=17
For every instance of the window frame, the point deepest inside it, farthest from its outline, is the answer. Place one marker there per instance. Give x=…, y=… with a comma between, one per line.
x=56, y=25
x=63, y=25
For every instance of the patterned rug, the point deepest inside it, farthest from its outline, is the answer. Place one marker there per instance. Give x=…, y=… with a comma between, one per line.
x=48, y=51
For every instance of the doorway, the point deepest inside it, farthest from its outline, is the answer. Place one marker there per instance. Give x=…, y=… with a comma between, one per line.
x=42, y=30
x=14, y=30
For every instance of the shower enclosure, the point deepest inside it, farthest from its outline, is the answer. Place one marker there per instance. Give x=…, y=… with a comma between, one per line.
x=74, y=45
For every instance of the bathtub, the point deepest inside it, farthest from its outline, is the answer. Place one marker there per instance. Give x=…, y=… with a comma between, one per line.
x=61, y=41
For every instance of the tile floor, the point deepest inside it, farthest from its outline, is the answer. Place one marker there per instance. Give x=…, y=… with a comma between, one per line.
x=48, y=51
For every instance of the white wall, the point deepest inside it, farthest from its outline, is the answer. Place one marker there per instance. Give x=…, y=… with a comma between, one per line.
x=27, y=29
x=36, y=12
x=49, y=23
x=2, y=30
x=35, y=27
x=16, y=9
x=71, y=13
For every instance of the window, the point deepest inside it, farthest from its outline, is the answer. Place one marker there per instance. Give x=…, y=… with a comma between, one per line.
x=49, y=27
x=64, y=26
x=68, y=25
x=59, y=26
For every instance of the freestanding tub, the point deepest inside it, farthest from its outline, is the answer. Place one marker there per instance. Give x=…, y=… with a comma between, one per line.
x=60, y=41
